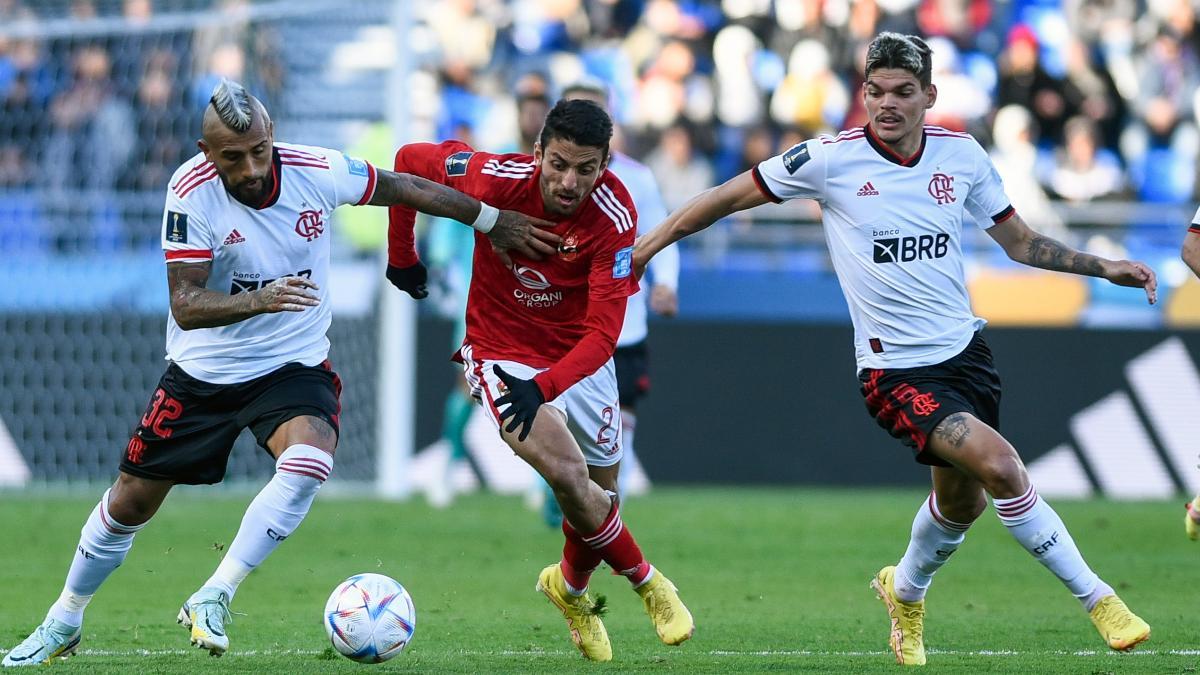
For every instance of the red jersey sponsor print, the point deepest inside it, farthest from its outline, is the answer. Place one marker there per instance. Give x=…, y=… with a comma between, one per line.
x=564, y=312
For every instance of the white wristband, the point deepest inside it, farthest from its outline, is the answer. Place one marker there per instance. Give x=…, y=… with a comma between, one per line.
x=486, y=219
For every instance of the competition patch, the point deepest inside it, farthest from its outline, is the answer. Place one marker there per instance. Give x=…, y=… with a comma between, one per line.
x=796, y=157
x=176, y=227
x=456, y=164
x=356, y=167
x=623, y=265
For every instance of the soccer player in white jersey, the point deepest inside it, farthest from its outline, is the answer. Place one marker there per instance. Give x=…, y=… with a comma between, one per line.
x=895, y=196
x=247, y=254
x=632, y=357
x=1191, y=256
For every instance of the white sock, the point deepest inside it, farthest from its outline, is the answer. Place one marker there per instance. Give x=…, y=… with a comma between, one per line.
x=934, y=538
x=103, y=545
x=274, y=514
x=628, y=427
x=1039, y=529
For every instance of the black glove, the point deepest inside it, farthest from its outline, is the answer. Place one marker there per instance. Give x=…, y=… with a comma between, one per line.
x=524, y=398
x=410, y=279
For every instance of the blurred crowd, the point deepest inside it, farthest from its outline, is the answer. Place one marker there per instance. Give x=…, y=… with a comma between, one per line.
x=1078, y=100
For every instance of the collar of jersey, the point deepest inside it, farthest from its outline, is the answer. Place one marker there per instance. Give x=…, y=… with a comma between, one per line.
x=891, y=155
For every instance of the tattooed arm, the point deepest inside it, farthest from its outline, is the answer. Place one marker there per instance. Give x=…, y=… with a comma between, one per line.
x=1037, y=250
x=195, y=306
x=513, y=231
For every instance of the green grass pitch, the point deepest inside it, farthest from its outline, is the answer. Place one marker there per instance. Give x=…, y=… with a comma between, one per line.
x=777, y=581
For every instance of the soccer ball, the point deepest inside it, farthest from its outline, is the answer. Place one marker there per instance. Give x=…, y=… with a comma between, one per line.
x=370, y=618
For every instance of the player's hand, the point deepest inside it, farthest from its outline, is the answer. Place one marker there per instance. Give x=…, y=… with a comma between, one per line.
x=524, y=398
x=1135, y=275
x=412, y=279
x=287, y=294
x=664, y=301
x=524, y=235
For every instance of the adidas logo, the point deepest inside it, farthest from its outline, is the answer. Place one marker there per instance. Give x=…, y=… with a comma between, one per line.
x=234, y=237
x=868, y=190
x=1126, y=454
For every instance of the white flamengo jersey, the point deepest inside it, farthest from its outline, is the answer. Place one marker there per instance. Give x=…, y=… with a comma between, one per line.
x=664, y=268
x=250, y=247
x=894, y=229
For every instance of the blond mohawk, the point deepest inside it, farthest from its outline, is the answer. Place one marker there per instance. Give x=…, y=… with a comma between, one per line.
x=232, y=104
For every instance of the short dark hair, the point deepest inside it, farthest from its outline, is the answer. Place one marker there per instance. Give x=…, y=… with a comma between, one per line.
x=906, y=52
x=579, y=121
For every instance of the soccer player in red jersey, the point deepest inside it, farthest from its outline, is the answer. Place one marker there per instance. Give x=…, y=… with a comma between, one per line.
x=540, y=339
x=896, y=196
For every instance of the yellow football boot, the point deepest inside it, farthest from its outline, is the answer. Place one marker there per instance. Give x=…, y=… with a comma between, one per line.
x=1191, y=519
x=672, y=620
x=908, y=620
x=582, y=615
x=1121, y=629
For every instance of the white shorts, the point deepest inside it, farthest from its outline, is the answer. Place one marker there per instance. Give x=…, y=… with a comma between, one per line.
x=590, y=405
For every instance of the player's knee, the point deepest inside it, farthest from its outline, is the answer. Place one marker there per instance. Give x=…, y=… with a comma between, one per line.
x=566, y=477
x=1004, y=476
x=305, y=468
x=133, y=501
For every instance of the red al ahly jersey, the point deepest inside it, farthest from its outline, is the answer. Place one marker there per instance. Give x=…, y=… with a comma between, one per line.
x=563, y=313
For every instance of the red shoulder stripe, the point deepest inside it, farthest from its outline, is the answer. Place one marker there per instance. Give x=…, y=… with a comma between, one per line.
x=197, y=182
x=187, y=254
x=203, y=166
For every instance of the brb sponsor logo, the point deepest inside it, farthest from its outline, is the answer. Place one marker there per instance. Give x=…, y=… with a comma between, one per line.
x=892, y=249
x=246, y=282
x=537, y=296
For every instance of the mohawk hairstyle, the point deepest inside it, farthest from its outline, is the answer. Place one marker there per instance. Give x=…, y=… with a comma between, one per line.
x=233, y=106
x=906, y=52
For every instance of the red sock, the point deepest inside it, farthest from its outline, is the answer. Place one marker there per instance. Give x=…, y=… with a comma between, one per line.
x=616, y=546
x=579, y=560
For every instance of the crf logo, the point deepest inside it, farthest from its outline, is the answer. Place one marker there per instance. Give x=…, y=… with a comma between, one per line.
x=309, y=225
x=924, y=404
x=531, y=278
x=908, y=249
x=1045, y=546
x=941, y=188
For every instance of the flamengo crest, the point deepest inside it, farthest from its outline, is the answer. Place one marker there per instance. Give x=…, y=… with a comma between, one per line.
x=309, y=225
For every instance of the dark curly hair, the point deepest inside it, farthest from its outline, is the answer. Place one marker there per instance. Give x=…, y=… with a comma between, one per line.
x=580, y=122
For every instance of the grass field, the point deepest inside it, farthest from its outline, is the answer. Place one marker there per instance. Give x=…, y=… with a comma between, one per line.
x=777, y=581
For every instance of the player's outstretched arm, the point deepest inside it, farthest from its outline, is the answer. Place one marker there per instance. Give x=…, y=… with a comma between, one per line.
x=195, y=306
x=736, y=194
x=1026, y=246
x=507, y=230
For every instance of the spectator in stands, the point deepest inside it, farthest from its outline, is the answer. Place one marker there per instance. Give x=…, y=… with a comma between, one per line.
x=1016, y=160
x=681, y=173
x=1082, y=172
x=92, y=128
x=160, y=120
x=1168, y=77
x=962, y=102
x=1025, y=82
x=533, y=102
x=1089, y=90
x=811, y=96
